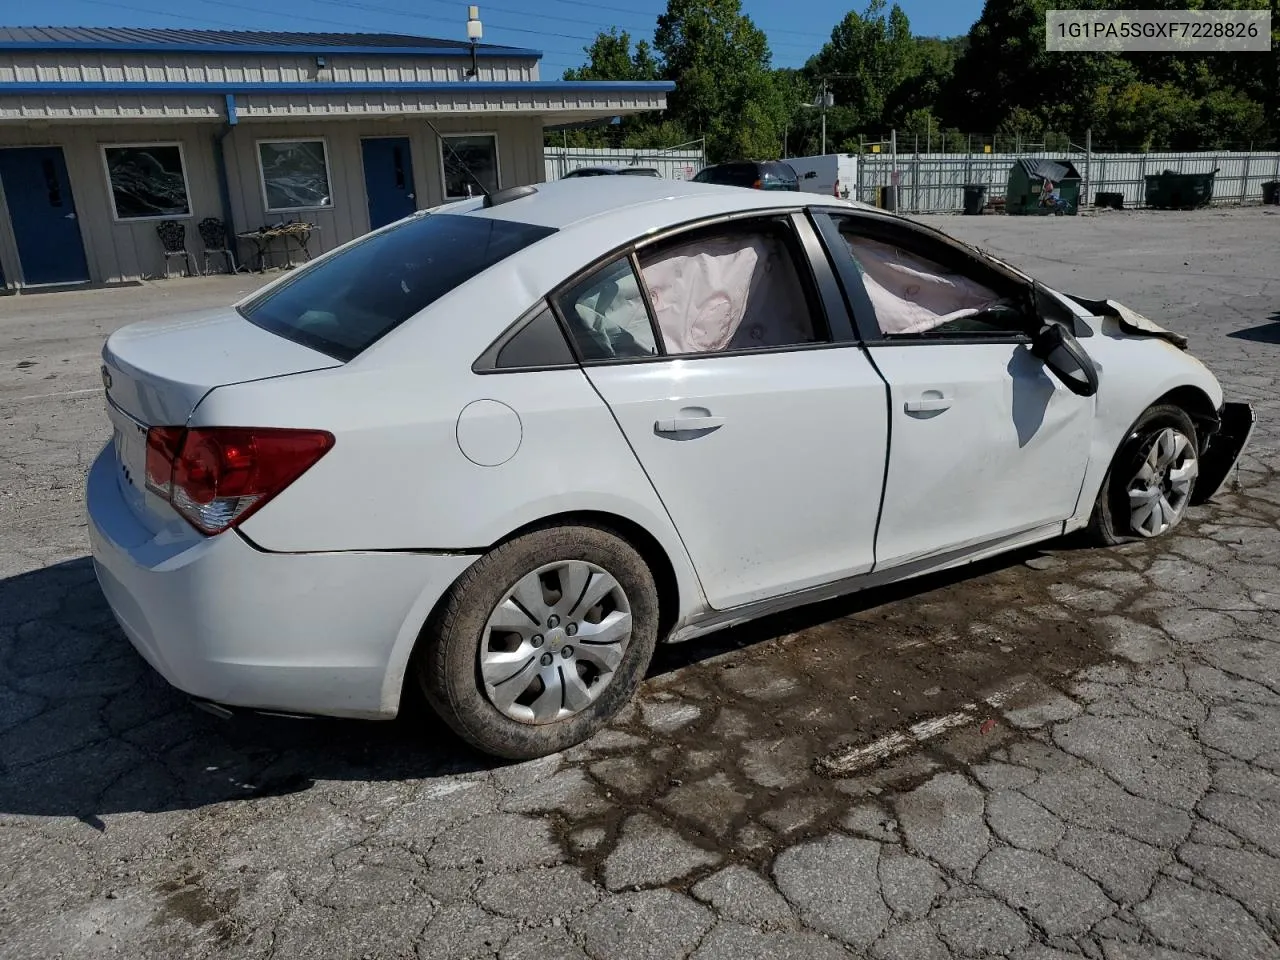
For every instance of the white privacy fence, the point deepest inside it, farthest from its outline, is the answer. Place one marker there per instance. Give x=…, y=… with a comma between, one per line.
x=672, y=164
x=934, y=183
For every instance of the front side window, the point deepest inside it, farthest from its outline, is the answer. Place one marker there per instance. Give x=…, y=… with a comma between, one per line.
x=915, y=295
x=470, y=165
x=147, y=181
x=734, y=287
x=344, y=303
x=295, y=174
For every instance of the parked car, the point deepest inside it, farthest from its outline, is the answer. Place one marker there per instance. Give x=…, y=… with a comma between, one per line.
x=612, y=171
x=497, y=451
x=758, y=175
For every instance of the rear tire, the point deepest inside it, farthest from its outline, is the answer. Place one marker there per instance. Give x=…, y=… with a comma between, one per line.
x=1155, y=468
x=541, y=642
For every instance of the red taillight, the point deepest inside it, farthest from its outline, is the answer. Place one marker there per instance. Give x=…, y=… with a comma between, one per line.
x=217, y=476
x=758, y=185
x=162, y=447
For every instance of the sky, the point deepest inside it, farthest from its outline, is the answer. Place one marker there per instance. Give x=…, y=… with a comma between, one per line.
x=559, y=28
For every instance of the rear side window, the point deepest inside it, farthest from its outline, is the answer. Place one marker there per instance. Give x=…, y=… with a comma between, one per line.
x=607, y=316
x=347, y=302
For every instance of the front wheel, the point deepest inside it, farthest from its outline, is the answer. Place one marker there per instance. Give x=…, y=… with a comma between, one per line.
x=542, y=641
x=1151, y=480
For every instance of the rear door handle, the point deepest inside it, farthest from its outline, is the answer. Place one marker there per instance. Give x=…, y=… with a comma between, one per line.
x=687, y=424
x=928, y=405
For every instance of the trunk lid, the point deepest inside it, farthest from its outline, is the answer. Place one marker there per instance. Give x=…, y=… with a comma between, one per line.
x=155, y=373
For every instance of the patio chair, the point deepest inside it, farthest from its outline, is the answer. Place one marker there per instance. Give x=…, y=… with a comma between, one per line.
x=173, y=237
x=213, y=234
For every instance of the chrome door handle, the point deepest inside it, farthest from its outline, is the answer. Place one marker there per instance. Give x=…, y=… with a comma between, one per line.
x=688, y=424
x=69, y=216
x=930, y=405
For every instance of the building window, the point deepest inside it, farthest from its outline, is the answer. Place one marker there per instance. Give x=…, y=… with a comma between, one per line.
x=476, y=153
x=147, y=180
x=295, y=174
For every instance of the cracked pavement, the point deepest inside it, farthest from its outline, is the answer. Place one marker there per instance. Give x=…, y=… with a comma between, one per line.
x=1110, y=789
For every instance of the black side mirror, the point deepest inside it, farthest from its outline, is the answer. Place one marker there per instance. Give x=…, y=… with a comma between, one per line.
x=1066, y=359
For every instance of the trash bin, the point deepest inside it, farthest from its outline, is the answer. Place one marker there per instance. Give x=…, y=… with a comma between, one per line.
x=975, y=198
x=1179, y=191
x=888, y=198
x=1271, y=192
x=1043, y=187
x=1108, y=200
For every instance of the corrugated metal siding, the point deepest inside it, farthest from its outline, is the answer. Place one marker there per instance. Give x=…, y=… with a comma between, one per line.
x=118, y=250
x=95, y=66
x=672, y=164
x=465, y=99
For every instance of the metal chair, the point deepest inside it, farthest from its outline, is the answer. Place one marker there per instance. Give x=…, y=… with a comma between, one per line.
x=213, y=234
x=173, y=237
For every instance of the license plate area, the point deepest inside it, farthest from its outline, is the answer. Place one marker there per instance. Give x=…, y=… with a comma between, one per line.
x=131, y=453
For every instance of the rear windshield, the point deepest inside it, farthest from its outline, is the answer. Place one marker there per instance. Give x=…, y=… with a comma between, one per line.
x=783, y=172
x=342, y=305
x=730, y=174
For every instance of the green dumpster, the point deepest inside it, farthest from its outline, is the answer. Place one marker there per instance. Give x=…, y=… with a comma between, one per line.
x=1043, y=187
x=1179, y=191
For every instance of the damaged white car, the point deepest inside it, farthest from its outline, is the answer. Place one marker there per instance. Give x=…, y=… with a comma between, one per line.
x=496, y=452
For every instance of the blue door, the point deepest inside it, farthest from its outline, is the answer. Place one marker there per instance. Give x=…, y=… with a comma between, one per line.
x=43, y=214
x=388, y=179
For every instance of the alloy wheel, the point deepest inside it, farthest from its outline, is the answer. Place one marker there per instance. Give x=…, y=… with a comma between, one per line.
x=1161, y=489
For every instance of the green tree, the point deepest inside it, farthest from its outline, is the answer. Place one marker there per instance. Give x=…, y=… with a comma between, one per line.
x=725, y=90
x=871, y=56
x=610, y=57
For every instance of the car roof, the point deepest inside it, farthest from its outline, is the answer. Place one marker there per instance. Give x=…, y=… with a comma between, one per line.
x=562, y=205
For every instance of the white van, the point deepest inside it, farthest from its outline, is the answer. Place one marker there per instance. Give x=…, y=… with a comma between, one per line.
x=831, y=173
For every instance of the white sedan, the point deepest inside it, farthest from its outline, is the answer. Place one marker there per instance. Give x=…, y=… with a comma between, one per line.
x=496, y=452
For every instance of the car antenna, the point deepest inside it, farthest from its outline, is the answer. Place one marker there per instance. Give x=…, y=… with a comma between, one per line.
x=462, y=163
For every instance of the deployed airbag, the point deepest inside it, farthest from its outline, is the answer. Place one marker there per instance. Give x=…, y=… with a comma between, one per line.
x=732, y=292
x=911, y=294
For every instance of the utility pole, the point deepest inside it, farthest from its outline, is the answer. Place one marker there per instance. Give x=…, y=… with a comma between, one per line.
x=824, y=116
x=826, y=100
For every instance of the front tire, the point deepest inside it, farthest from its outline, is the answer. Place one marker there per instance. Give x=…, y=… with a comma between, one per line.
x=1151, y=480
x=541, y=642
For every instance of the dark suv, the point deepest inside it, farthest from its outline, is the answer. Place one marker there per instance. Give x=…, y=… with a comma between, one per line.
x=758, y=175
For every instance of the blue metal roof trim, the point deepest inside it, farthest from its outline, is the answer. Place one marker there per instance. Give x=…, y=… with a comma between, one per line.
x=508, y=86
x=169, y=40
x=329, y=51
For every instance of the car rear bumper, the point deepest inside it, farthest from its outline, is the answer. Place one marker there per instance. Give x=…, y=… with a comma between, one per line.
x=224, y=621
x=1235, y=427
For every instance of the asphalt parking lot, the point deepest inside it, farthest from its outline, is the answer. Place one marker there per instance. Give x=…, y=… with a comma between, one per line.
x=1065, y=752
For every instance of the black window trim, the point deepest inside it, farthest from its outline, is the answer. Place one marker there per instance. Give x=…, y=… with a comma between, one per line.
x=856, y=293
x=487, y=362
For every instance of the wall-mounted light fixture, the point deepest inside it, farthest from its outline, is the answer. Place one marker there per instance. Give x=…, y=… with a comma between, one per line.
x=475, y=31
